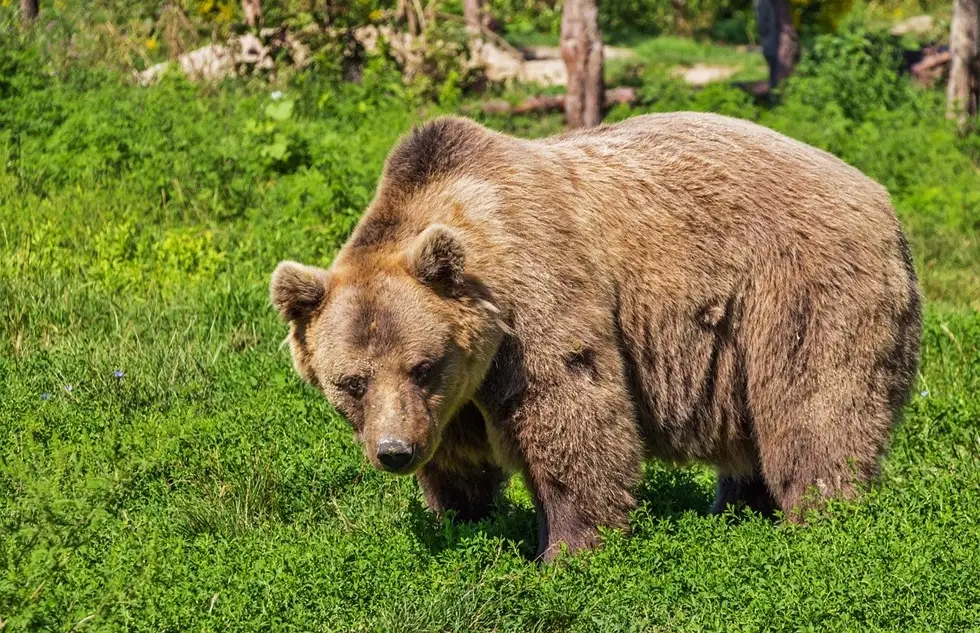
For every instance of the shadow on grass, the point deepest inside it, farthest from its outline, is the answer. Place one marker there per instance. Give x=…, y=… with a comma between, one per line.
x=508, y=521
x=665, y=493
x=669, y=493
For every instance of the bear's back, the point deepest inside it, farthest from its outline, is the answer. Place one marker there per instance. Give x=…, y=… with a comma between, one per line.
x=654, y=192
x=710, y=184
x=715, y=153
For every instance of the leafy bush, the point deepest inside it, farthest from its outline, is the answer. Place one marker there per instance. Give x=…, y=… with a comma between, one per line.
x=856, y=70
x=819, y=16
x=730, y=21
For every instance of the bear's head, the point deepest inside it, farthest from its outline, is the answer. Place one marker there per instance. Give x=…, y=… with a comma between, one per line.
x=397, y=338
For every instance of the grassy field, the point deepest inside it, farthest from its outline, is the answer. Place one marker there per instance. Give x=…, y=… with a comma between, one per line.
x=163, y=469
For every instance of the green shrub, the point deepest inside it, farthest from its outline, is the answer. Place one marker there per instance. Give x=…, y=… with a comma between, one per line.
x=856, y=70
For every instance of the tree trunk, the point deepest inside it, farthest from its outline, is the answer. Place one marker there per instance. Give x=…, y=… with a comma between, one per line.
x=28, y=11
x=963, y=90
x=581, y=49
x=780, y=43
x=253, y=12
x=406, y=11
x=473, y=17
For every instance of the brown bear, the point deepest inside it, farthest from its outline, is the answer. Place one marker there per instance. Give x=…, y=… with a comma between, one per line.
x=683, y=286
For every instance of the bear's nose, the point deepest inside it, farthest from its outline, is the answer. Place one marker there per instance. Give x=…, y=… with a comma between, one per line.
x=394, y=454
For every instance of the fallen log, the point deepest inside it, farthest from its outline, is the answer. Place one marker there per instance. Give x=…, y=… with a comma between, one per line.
x=927, y=65
x=247, y=53
x=931, y=69
x=758, y=89
x=552, y=103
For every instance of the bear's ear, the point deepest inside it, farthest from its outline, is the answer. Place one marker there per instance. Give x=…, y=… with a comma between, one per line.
x=297, y=290
x=437, y=258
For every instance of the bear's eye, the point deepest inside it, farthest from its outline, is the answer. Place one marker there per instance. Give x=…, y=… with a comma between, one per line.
x=424, y=372
x=354, y=386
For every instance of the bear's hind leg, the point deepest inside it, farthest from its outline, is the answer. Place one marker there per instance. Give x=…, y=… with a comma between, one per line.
x=827, y=368
x=804, y=470
x=820, y=434
x=749, y=491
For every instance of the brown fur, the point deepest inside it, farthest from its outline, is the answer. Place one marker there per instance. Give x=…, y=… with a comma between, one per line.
x=681, y=286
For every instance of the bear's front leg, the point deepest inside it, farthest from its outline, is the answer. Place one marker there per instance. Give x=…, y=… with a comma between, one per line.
x=582, y=454
x=462, y=476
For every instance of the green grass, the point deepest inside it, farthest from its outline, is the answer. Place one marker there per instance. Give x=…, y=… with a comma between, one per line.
x=670, y=50
x=208, y=489
x=665, y=52
x=886, y=13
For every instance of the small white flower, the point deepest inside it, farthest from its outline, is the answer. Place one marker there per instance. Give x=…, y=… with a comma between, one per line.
x=277, y=95
x=924, y=394
x=68, y=388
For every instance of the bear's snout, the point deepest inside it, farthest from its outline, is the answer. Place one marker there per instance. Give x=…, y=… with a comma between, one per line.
x=395, y=454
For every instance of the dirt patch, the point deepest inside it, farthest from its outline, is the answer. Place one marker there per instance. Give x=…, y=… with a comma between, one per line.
x=703, y=74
